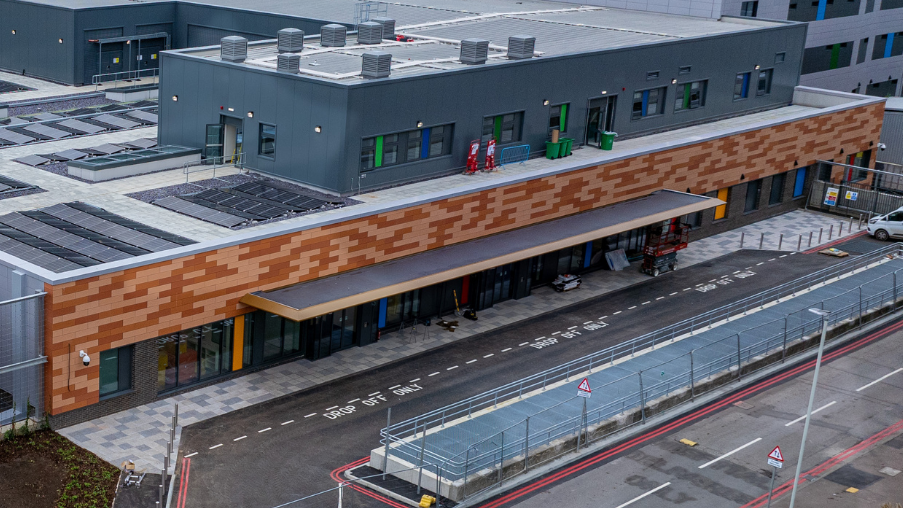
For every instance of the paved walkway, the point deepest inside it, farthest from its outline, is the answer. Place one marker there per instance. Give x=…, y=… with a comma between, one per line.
x=140, y=433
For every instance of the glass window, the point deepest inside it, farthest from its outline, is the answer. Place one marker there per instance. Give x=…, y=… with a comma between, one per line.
x=272, y=337
x=247, y=358
x=776, y=195
x=414, y=145
x=189, y=340
x=291, y=336
x=267, y=143
x=753, y=189
x=440, y=140
x=167, y=362
x=863, y=51
x=194, y=355
x=741, y=86
x=648, y=103
x=503, y=128
x=390, y=149
x=115, y=370
x=764, y=84
x=558, y=117
x=749, y=9
x=368, y=153
x=690, y=95
x=800, y=182
x=402, y=147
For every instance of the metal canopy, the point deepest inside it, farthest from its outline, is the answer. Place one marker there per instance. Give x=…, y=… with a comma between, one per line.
x=310, y=299
x=110, y=40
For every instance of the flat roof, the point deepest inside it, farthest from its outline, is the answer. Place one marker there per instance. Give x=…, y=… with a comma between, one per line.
x=317, y=297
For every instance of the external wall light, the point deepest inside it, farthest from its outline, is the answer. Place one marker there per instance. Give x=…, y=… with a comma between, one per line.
x=419, y=124
x=60, y=40
x=604, y=92
x=14, y=32
x=250, y=114
x=231, y=109
x=758, y=67
x=545, y=102
x=318, y=129
x=175, y=98
x=128, y=42
x=674, y=81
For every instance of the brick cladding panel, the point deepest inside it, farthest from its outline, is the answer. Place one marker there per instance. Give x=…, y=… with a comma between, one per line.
x=139, y=303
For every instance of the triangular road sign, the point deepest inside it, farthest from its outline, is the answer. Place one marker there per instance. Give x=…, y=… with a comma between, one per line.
x=776, y=454
x=584, y=386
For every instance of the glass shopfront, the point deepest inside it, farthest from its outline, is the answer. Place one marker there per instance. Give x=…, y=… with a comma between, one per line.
x=194, y=355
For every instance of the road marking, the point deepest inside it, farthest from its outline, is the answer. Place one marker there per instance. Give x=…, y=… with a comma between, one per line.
x=653, y=491
x=394, y=387
x=762, y=263
x=728, y=454
x=801, y=418
x=646, y=302
x=616, y=313
x=433, y=374
x=784, y=256
x=288, y=422
x=312, y=414
x=216, y=446
x=772, y=259
x=672, y=294
x=490, y=354
x=191, y=455
x=261, y=431
x=687, y=289
x=506, y=349
x=352, y=401
x=882, y=378
x=372, y=394
x=471, y=361
x=603, y=317
x=452, y=368
x=540, y=338
x=571, y=327
x=660, y=298
x=556, y=333
x=631, y=308
x=588, y=322
x=414, y=380
x=737, y=271
x=713, y=280
x=521, y=344
x=239, y=438
x=331, y=408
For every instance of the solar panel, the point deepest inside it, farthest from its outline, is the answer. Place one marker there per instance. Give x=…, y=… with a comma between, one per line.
x=14, y=184
x=15, y=137
x=144, y=104
x=62, y=238
x=32, y=160
x=244, y=204
x=109, y=229
x=112, y=107
x=199, y=212
x=122, y=123
x=46, y=116
x=70, y=155
x=137, y=226
x=142, y=143
x=297, y=202
x=47, y=131
x=36, y=256
x=107, y=149
x=48, y=247
x=58, y=223
x=81, y=127
x=16, y=121
x=81, y=112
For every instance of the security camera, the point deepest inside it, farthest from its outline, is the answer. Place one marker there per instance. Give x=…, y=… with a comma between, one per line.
x=85, y=358
x=882, y=146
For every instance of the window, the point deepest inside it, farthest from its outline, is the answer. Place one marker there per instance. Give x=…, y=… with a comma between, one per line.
x=558, y=117
x=503, y=128
x=764, y=85
x=863, y=50
x=776, y=196
x=749, y=9
x=741, y=86
x=823, y=58
x=690, y=95
x=402, y=147
x=194, y=355
x=685, y=69
x=753, y=189
x=888, y=45
x=115, y=370
x=648, y=103
x=694, y=220
x=780, y=57
x=721, y=210
x=652, y=75
x=799, y=182
x=267, y=143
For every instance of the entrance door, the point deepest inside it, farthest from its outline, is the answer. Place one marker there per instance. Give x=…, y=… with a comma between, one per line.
x=600, y=118
x=213, y=146
x=149, y=53
x=111, y=59
x=232, y=138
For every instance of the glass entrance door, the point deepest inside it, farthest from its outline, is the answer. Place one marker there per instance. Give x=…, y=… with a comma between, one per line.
x=213, y=144
x=600, y=118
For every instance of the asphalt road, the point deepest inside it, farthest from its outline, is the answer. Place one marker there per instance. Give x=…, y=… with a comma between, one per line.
x=285, y=449
x=859, y=418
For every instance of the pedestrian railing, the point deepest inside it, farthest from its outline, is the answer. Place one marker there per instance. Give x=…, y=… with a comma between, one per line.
x=514, y=155
x=127, y=76
x=237, y=160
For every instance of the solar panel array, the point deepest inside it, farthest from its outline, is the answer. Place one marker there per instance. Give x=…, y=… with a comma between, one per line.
x=247, y=203
x=74, y=235
x=113, y=117
x=8, y=185
x=7, y=87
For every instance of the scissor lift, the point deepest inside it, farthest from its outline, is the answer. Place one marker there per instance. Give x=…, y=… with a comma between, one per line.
x=662, y=244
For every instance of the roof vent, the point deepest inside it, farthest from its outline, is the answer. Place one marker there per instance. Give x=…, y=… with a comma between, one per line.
x=369, y=32
x=332, y=35
x=288, y=62
x=377, y=64
x=290, y=40
x=474, y=51
x=233, y=48
x=388, y=27
x=521, y=47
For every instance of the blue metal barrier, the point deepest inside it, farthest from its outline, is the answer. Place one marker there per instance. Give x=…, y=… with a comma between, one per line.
x=515, y=154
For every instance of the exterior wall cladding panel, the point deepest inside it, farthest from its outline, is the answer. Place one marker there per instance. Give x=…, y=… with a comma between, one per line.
x=35, y=48
x=347, y=113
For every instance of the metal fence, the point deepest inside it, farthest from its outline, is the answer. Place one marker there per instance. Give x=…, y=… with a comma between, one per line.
x=126, y=76
x=22, y=358
x=484, y=460
x=514, y=155
x=854, y=198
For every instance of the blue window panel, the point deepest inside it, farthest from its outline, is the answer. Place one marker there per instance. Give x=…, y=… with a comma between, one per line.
x=589, y=254
x=425, y=144
x=745, y=93
x=383, y=305
x=822, y=4
x=799, y=183
x=888, y=45
x=645, y=102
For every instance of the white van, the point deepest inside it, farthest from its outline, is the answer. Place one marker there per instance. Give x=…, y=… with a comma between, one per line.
x=885, y=227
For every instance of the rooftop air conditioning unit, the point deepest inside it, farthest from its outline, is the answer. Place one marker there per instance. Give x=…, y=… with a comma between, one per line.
x=233, y=48
x=376, y=64
x=388, y=27
x=332, y=35
x=369, y=32
x=521, y=47
x=290, y=40
x=474, y=51
x=288, y=62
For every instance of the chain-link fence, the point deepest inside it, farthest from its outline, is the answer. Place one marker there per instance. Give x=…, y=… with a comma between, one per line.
x=484, y=440
x=22, y=359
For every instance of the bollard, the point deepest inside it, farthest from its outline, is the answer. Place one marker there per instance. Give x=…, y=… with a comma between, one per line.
x=820, y=231
x=831, y=232
x=780, y=241
x=799, y=244
x=810, y=238
x=850, y=227
x=860, y=222
x=761, y=240
x=742, y=234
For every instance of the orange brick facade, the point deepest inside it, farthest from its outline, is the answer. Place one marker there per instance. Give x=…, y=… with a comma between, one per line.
x=136, y=304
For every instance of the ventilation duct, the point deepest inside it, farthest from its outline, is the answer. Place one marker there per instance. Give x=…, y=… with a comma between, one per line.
x=290, y=40
x=521, y=47
x=332, y=35
x=288, y=62
x=388, y=25
x=474, y=51
x=233, y=48
x=376, y=64
x=369, y=32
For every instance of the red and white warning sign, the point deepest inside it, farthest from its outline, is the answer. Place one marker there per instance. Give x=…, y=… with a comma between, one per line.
x=583, y=389
x=775, y=458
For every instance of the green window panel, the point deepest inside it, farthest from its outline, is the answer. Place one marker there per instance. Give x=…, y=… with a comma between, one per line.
x=835, y=56
x=379, y=152
x=564, y=118
x=497, y=130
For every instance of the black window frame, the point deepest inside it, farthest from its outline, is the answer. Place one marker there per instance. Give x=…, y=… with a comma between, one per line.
x=752, y=203
x=740, y=96
x=555, y=118
x=700, y=101
x=123, y=368
x=662, y=92
x=779, y=57
x=769, y=73
x=778, y=186
x=511, y=121
x=749, y=9
x=400, y=144
x=261, y=143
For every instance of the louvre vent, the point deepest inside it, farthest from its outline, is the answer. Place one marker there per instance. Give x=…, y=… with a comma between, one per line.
x=233, y=48
x=388, y=27
x=376, y=64
x=288, y=62
x=369, y=32
x=474, y=51
x=290, y=40
x=521, y=47
x=332, y=35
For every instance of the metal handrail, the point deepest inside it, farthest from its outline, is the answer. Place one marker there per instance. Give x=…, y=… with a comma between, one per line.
x=237, y=159
x=99, y=79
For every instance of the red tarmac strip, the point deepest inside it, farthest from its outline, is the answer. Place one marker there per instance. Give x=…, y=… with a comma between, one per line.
x=183, y=483
x=835, y=242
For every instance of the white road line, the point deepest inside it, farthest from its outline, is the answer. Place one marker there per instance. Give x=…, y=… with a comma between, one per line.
x=616, y=313
x=452, y=368
x=728, y=454
x=506, y=349
x=882, y=378
x=471, y=361
x=660, y=487
x=603, y=317
x=762, y=263
x=660, y=298
x=556, y=333
x=747, y=268
x=801, y=418
x=672, y=294
x=216, y=446
x=433, y=374
x=631, y=308
x=713, y=280
x=725, y=276
x=523, y=343
x=571, y=327
x=414, y=380
x=312, y=414
x=372, y=394
x=784, y=256
x=352, y=401
x=190, y=455
x=540, y=338
x=772, y=259
x=394, y=387
x=792, y=253
x=687, y=289
x=646, y=303
x=261, y=431
x=331, y=408
x=288, y=422
x=588, y=322
x=737, y=271
x=490, y=354
x=239, y=438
